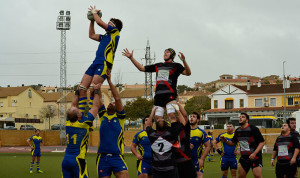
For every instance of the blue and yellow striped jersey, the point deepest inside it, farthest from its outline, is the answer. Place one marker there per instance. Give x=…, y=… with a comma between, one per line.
x=108, y=46
x=210, y=138
x=198, y=138
x=36, y=140
x=144, y=145
x=226, y=149
x=111, y=132
x=77, y=135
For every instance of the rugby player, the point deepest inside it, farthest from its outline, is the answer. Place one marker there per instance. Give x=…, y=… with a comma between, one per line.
x=35, y=142
x=292, y=124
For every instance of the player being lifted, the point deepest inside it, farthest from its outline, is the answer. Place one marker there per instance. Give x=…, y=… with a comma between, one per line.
x=77, y=134
x=35, y=149
x=111, y=147
x=105, y=54
x=167, y=74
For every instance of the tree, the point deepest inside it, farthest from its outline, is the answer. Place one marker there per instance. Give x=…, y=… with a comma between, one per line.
x=266, y=81
x=181, y=88
x=48, y=112
x=138, y=108
x=198, y=104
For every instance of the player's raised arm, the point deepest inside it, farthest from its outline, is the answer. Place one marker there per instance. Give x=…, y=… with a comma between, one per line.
x=118, y=102
x=187, y=70
x=180, y=116
x=75, y=99
x=98, y=20
x=92, y=34
x=97, y=100
x=135, y=62
x=183, y=112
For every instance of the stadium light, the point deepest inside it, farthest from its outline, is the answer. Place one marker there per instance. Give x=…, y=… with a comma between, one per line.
x=63, y=21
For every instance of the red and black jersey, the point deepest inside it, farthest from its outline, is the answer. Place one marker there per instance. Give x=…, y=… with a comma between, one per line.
x=166, y=76
x=285, y=146
x=183, y=153
x=249, y=139
x=162, y=146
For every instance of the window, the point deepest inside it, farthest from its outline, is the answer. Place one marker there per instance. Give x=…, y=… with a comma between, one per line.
x=1, y=104
x=34, y=117
x=13, y=103
x=215, y=104
x=244, y=78
x=1, y=115
x=259, y=102
x=272, y=101
x=29, y=93
x=228, y=104
x=241, y=103
x=290, y=101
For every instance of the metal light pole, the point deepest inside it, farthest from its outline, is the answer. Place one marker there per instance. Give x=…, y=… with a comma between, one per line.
x=284, y=86
x=148, y=75
x=63, y=23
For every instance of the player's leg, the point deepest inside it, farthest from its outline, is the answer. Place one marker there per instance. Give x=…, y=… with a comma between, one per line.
x=81, y=166
x=242, y=171
x=171, y=111
x=68, y=167
x=256, y=166
x=119, y=165
x=142, y=169
x=233, y=166
x=200, y=173
x=87, y=79
x=103, y=166
x=38, y=159
x=224, y=166
x=32, y=162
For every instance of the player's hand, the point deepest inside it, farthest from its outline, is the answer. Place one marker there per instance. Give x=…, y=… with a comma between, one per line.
x=93, y=9
x=181, y=56
x=252, y=156
x=127, y=53
x=201, y=163
x=236, y=152
x=191, y=146
x=272, y=163
x=108, y=75
x=293, y=161
x=154, y=108
x=223, y=138
x=97, y=87
x=175, y=106
x=139, y=157
x=32, y=147
x=222, y=154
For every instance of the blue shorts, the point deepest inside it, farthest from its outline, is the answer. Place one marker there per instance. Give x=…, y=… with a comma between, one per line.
x=108, y=163
x=144, y=167
x=36, y=152
x=74, y=167
x=228, y=162
x=97, y=69
x=198, y=169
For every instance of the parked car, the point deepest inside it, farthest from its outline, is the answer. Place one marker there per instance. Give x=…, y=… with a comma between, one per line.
x=10, y=128
x=27, y=127
x=57, y=127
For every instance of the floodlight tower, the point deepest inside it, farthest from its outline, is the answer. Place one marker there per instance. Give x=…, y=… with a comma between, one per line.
x=63, y=23
x=148, y=75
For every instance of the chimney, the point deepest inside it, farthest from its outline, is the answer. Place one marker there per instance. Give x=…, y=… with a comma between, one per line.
x=259, y=83
x=55, y=89
x=248, y=85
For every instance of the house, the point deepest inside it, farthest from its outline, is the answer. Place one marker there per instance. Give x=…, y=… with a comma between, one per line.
x=187, y=95
x=19, y=106
x=257, y=100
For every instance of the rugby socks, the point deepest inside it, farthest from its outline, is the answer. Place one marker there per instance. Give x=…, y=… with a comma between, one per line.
x=37, y=166
x=31, y=165
x=82, y=103
x=91, y=102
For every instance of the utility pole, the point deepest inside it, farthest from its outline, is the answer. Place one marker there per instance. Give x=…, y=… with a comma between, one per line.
x=148, y=75
x=63, y=23
x=284, y=86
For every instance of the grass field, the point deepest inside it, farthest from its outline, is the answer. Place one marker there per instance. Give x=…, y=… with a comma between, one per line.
x=16, y=165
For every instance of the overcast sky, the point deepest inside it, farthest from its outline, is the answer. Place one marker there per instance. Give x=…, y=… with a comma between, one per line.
x=250, y=37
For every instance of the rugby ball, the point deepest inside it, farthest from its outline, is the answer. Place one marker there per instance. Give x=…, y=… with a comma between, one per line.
x=90, y=15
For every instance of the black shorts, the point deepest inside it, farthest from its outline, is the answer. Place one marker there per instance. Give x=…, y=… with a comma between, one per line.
x=285, y=169
x=298, y=162
x=186, y=169
x=247, y=163
x=165, y=174
x=163, y=99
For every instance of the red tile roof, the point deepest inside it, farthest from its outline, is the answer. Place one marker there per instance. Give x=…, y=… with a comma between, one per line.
x=270, y=88
x=252, y=109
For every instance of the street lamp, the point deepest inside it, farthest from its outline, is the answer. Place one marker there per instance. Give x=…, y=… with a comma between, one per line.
x=63, y=23
x=284, y=86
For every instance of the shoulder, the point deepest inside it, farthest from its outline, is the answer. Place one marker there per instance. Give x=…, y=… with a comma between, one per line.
x=222, y=134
